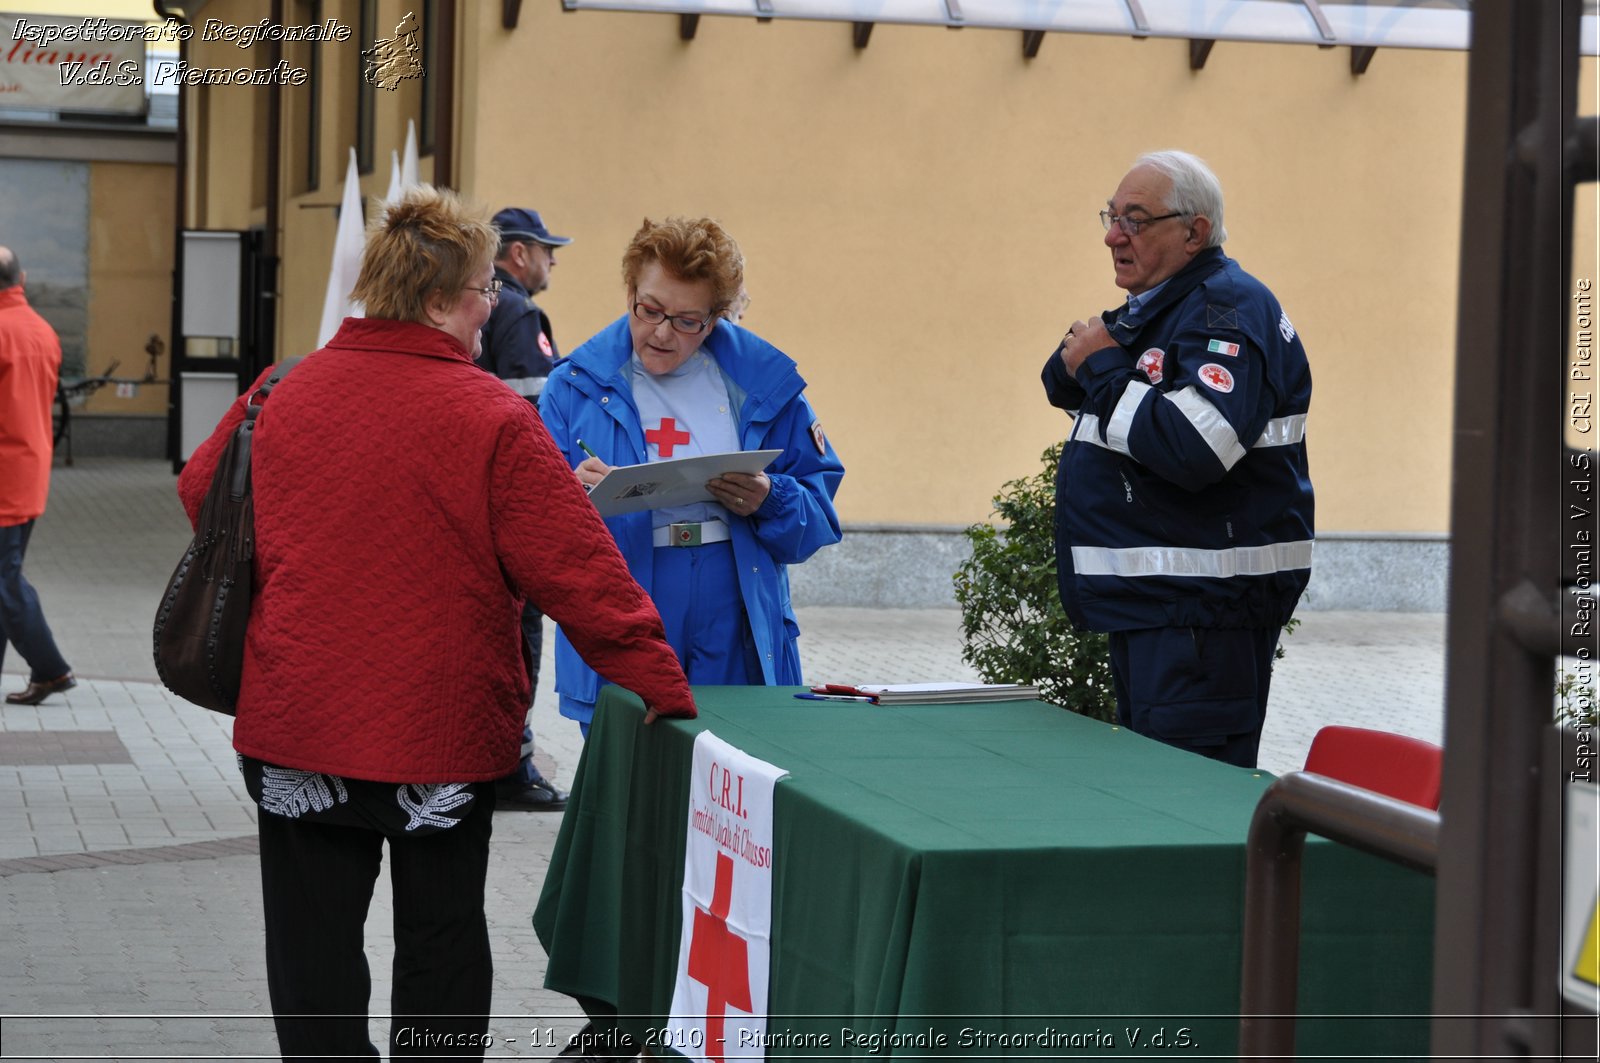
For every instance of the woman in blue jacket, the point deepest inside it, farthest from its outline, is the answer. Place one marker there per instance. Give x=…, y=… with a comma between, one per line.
x=672, y=378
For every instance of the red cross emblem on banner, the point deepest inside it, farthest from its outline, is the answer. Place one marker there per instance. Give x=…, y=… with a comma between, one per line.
x=666, y=437
x=719, y=959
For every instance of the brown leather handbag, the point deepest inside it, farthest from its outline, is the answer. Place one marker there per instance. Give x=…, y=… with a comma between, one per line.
x=200, y=624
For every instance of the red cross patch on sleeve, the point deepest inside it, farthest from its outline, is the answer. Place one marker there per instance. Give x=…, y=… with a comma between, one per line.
x=818, y=438
x=1150, y=364
x=1216, y=378
x=544, y=345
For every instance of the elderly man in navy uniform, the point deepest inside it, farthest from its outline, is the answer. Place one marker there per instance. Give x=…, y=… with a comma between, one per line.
x=519, y=348
x=1183, y=499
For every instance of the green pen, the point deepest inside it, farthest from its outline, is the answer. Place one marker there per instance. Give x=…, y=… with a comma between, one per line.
x=585, y=448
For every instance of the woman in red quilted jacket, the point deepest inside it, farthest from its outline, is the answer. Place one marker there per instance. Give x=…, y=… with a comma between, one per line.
x=406, y=502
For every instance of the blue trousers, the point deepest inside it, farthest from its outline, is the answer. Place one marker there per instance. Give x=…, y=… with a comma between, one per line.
x=696, y=590
x=1200, y=689
x=22, y=622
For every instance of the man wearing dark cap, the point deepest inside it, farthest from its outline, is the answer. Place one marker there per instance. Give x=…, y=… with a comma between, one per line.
x=518, y=347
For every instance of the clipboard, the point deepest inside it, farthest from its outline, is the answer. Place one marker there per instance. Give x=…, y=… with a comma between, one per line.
x=674, y=482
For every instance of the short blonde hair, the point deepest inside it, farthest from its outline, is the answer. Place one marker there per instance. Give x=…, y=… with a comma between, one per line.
x=691, y=249
x=427, y=242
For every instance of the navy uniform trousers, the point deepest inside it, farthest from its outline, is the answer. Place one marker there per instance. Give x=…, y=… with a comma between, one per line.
x=1200, y=689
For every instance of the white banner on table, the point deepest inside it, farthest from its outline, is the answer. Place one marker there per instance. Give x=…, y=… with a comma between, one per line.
x=719, y=1001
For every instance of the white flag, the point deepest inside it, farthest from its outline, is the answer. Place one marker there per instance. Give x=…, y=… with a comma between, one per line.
x=719, y=1000
x=396, y=185
x=403, y=174
x=346, y=267
x=410, y=177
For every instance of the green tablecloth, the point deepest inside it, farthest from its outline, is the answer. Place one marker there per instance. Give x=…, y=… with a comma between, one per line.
x=986, y=873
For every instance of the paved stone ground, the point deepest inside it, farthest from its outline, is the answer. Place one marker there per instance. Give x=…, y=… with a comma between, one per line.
x=129, y=899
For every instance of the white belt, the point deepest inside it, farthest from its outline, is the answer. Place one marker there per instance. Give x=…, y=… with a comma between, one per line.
x=690, y=533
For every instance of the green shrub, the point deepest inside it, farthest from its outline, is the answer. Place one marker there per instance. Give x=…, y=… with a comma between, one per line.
x=1012, y=624
x=1575, y=698
x=1013, y=627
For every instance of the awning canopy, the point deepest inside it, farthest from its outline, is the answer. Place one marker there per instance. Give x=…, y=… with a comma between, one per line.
x=1441, y=24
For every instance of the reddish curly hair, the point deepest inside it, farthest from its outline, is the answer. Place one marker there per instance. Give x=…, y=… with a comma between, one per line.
x=691, y=249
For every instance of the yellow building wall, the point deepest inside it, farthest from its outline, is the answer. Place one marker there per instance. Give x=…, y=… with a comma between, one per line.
x=233, y=153
x=1582, y=412
x=130, y=273
x=919, y=219
x=309, y=219
x=234, y=143
x=919, y=216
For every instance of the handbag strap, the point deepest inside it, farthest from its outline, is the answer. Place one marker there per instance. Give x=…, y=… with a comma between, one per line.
x=261, y=393
x=242, y=435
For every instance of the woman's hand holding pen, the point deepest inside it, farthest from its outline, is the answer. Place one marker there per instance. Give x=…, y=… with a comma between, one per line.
x=741, y=493
x=591, y=471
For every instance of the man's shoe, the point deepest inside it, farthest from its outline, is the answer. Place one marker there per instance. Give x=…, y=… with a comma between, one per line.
x=34, y=693
x=540, y=795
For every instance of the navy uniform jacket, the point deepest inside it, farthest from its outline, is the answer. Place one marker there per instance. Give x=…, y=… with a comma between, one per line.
x=518, y=346
x=1183, y=497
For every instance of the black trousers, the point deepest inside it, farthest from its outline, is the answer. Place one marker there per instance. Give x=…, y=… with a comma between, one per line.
x=316, y=886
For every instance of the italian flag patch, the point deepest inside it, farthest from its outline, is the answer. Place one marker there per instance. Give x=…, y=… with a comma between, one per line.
x=1223, y=347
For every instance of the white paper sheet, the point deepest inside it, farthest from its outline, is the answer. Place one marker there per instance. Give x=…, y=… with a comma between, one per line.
x=674, y=482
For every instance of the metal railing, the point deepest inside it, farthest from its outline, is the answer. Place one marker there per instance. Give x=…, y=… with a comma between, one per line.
x=1298, y=804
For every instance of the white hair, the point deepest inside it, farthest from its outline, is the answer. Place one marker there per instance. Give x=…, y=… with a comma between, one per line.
x=1195, y=189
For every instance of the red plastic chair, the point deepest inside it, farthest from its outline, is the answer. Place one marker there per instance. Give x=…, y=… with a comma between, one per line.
x=1389, y=764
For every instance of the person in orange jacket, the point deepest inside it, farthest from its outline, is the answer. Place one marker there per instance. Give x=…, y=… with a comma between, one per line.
x=30, y=363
